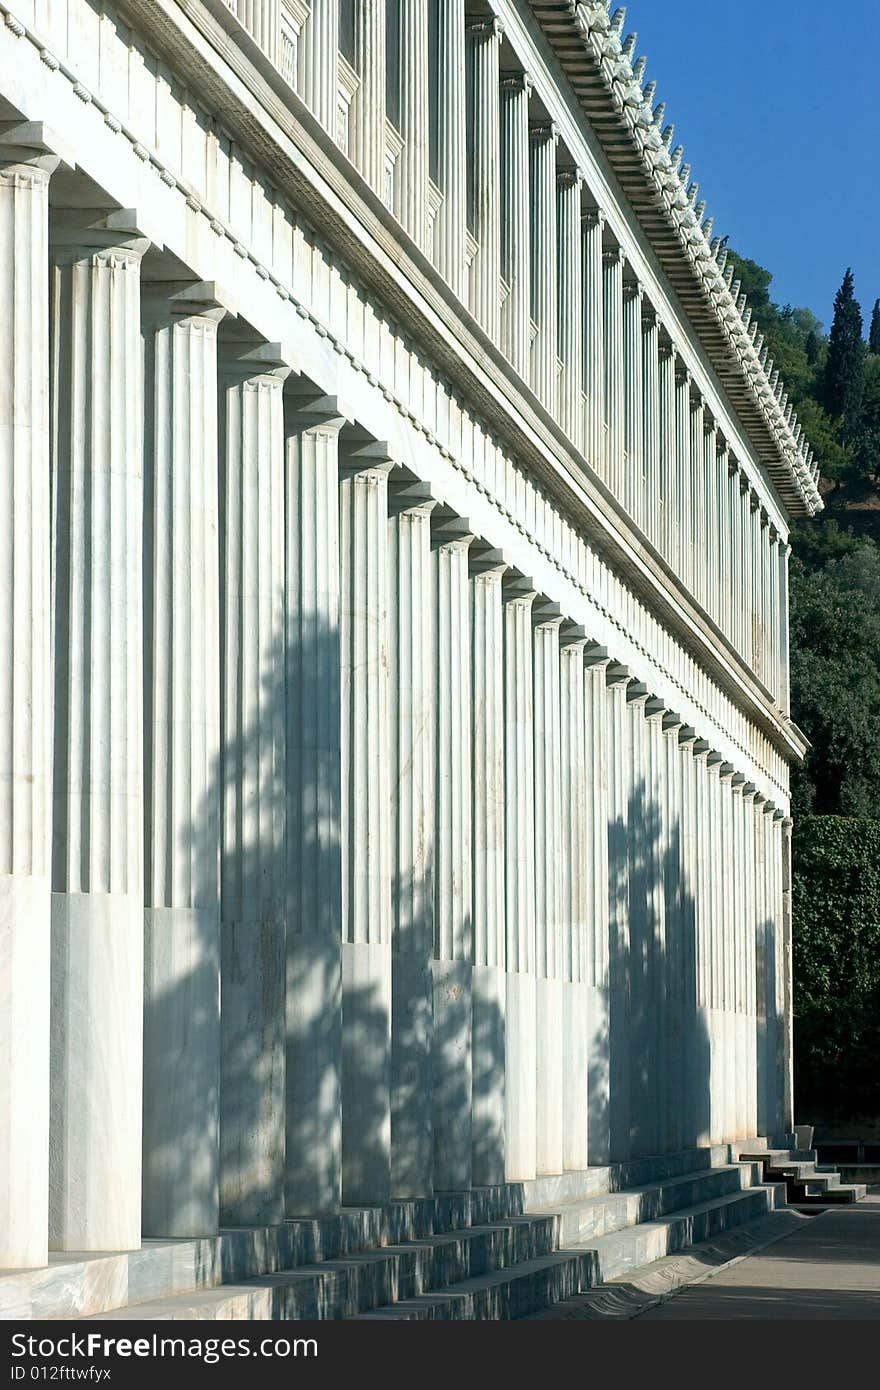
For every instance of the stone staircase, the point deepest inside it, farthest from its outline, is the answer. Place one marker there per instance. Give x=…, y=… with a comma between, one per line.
x=493, y=1253
x=807, y=1183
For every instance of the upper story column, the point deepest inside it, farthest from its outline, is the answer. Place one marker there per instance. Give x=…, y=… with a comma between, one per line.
x=594, y=338
x=515, y=230
x=570, y=306
x=368, y=125
x=665, y=539
x=449, y=227
x=649, y=505
x=632, y=395
x=544, y=139
x=485, y=171
x=26, y=166
x=682, y=495
x=411, y=172
x=612, y=288
x=98, y=830
x=320, y=62
x=576, y=790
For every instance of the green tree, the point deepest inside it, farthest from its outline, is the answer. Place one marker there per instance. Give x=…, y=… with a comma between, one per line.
x=835, y=673
x=874, y=335
x=844, y=382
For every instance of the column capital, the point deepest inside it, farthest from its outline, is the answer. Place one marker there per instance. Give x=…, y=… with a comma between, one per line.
x=306, y=407
x=617, y=676
x=596, y=656
x=77, y=232
x=687, y=736
x=779, y=815
x=163, y=300
x=484, y=26
x=516, y=82
x=569, y=178
x=737, y=782
x=725, y=771
x=450, y=532
x=375, y=456
x=486, y=560
x=701, y=749
x=655, y=710
x=749, y=791
x=666, y=349
x=518, y=588
x=36, y=145
x=543, y=130
x=714, y=760
x=409, y=498
x=787, y=823
x=633, y=290
x=593, y=218
x=650, y=317
x=682, y=372
x=637, y=693
x=613, y=255
x=672, y=723
x=572, y=636
x=242, y=360
x=546, y=613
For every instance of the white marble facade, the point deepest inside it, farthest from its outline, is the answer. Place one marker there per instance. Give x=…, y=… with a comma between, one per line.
x=394, y=727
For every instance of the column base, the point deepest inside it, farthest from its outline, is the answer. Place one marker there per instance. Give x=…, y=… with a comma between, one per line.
x=96, y=1071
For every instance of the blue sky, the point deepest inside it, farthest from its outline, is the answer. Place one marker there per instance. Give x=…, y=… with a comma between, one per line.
x=778, y=108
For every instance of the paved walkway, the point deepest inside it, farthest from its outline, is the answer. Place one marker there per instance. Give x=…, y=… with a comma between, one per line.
x=828, y=1268
x=823, y=1267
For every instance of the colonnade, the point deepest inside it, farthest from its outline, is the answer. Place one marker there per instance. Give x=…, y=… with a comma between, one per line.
x=336, y=862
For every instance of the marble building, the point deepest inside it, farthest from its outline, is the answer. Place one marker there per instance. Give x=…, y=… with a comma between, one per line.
x=394, y=718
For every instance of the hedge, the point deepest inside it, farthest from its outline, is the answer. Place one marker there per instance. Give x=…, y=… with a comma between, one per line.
x=836, y=949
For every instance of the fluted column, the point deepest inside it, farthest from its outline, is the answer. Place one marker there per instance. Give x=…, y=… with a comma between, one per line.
x=549, y=991
x=619, y=780
x=449, y=228
x=252, y=860
x=750, y=914
x=632, y=396
x=643, y=1090
x=368, y=114
x=260, y=18
x=366, y=827
x=597, y=939
x=98, y=810
x=542, y=183
x=675, y=907
x=489, y=955
x=520, y=1069
x=485, y=171
x=727, y=871
x=411, y=170
x=695, y=484
x=788, y=979
x=658, y=886
x=25, y=702
x=182, y=687
x=593, y=338
x=649, y=502
x=666, y=486
x=612, y=299
x=694, y=1070
x=411, y=657
x=515, y=232
x=784, y=655
x=320, y=62
x=576, y=788
x=682, y=508
x=453, y=900
x=570, y=309
x=710, y=519
x=313, y=877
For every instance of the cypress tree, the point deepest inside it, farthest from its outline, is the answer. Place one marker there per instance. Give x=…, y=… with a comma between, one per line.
x=874, y=336
x=845, y=365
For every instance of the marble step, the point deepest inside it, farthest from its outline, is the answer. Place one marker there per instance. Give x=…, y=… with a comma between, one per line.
x=515, y=1292
x=608, y=1212
x=338, y=1288
x=807, y=1183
